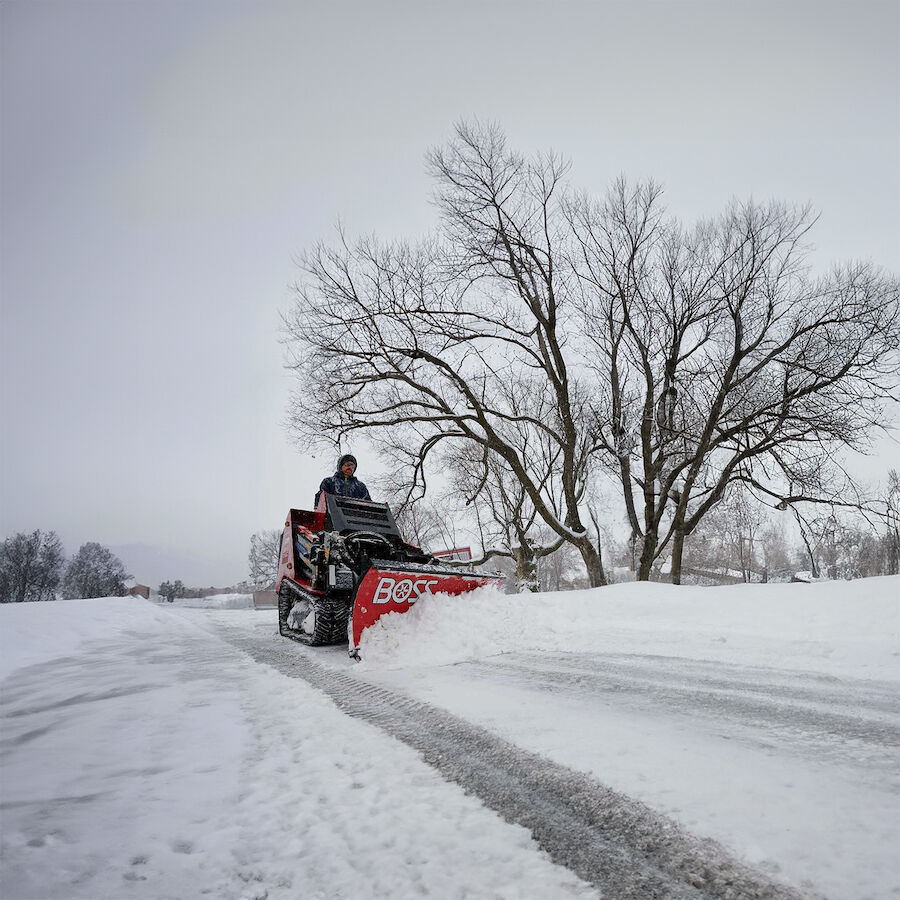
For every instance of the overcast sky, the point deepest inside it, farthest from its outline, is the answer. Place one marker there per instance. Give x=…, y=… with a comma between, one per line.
x=163, y=163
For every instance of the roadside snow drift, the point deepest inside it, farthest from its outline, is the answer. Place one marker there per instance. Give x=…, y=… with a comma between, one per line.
x=830, y=627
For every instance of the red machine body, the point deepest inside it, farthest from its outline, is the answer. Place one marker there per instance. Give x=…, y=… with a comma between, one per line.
x=345, y=565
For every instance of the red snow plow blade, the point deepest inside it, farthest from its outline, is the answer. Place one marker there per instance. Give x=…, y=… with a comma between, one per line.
x=342, y=567
x=386, y=589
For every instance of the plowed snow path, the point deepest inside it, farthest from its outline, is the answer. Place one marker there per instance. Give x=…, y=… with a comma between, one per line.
x=608, y=839
x=797, y=773
x=153, y=761
x=815, y=715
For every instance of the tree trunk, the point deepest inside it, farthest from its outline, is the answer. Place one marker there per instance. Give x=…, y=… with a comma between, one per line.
x=526, y=568
x=593, y=562
x=648, y=551
x=677, y=555
x=813, y=568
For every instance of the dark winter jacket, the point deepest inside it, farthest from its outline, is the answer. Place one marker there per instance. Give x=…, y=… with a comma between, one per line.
x=345, y=487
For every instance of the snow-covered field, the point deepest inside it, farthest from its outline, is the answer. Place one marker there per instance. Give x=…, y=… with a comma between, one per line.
x=215, y=601
x=145, y=755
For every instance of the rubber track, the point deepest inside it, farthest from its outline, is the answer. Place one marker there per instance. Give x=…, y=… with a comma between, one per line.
x=331, y=620
x=617, y=844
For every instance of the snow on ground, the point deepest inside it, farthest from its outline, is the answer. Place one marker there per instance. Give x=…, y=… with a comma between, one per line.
x=816, y=814
x=144, y=756
x=215, y=601
x=835, y=628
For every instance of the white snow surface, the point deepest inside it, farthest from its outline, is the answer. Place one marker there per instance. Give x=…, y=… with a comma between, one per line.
x=215, y=601
x=834, y=628
x=828, y=825
x=144, y=756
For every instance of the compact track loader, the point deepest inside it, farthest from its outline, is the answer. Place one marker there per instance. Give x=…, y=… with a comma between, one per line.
x=345, y=565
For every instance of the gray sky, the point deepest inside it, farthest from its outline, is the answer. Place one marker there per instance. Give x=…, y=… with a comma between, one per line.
x=162, y=163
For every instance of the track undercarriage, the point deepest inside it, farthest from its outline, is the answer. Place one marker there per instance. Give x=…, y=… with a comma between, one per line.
x=311, y=619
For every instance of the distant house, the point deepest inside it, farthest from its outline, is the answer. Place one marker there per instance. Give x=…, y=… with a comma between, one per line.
x=460, y=554
x=139, y=590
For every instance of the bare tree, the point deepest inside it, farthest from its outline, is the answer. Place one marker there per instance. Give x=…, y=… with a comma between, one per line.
x=775, y=552
x=747, y=520
x=483, y=497
x=567, y=337
x=170, y=590
x=30, y=567
x=263, y=558
x=720, y=360
x=95, y=571
x=459, y=339
x=507, y=521
x=559, y=570
x=728, y=539
x=842, y=544
x=429, y=525
x=426, y=525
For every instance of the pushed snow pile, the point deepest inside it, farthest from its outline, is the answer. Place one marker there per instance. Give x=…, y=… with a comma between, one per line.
x=216, y=601
x=830, y=627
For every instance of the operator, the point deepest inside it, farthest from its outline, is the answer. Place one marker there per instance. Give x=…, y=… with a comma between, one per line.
x=344, y=482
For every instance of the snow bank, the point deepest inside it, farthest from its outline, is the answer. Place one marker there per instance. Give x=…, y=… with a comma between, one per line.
x=214, y=601
x=837, y=627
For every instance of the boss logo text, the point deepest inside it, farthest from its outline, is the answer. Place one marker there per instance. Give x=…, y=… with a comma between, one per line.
x=404, y=591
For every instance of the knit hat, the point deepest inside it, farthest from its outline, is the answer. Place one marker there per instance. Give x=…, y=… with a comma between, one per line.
x=347, y=457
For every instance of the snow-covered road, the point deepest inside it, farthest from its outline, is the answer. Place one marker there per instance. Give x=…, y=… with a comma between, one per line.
x=795, y=772
x=143, y=756
x=608, y=839
x=550, y=746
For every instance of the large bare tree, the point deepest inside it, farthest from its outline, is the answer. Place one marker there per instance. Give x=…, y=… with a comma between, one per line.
x=463, y=338
x=565, y=337
x=720, y=359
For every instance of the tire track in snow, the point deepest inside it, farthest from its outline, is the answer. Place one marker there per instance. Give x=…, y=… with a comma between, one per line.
x=873, y=700
x=617, y=844
x=836, y=717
